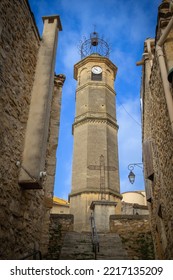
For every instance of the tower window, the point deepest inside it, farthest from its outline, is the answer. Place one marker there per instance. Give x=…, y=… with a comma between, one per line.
x=96, y=77
x=51, y=20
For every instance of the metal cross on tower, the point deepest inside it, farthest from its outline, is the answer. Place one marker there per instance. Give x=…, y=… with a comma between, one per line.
x=102, y=169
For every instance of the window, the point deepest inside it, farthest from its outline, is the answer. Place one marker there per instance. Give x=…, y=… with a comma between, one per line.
x=148, y=159
x=148, y=190
x=96, y=77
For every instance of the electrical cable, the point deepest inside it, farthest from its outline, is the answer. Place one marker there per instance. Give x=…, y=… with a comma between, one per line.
x=128, y=113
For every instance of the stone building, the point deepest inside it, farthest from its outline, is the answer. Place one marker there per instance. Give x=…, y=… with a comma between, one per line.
x=60, y=206
x=134, y=203
x=29, y=132
x=95, y=171
x=28, y=128
x=157, y=129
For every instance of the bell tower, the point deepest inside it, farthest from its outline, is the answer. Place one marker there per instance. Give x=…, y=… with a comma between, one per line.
x=95, y=171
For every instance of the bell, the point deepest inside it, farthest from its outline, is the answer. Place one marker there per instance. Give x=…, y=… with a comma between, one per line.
x=94, y=39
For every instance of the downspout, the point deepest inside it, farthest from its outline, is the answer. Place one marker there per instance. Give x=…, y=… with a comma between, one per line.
x=148, y=43
x=147, y=62
x=163, y=70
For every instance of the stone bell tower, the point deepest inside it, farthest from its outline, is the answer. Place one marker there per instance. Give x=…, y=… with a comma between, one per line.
x=95, y=172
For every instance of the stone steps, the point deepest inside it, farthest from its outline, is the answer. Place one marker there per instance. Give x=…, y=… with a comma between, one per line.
x=111, y=247
x=78, y=246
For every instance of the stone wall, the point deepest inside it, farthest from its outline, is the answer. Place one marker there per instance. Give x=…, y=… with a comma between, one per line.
x=24, y=215
x=133, y=209
x=161, y=205
x=50, y=164
x=135, y=233
x=60, y=224
x=157, y=130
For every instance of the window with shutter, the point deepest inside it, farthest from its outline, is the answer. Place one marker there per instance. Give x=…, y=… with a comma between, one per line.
x=148, y=159
x=148, y=190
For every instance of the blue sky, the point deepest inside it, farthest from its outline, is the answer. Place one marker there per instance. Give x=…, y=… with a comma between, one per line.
x=124, y=24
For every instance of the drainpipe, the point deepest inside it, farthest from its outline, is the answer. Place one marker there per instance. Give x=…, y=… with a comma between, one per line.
x=163, y=70
x=147, y=54
x=148, y=43
x=147, y=61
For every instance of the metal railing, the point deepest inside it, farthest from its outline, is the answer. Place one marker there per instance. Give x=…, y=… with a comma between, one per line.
x=94, y=235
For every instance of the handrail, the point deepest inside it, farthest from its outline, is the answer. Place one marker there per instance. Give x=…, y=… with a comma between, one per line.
x=94, y=235
x=34, y=255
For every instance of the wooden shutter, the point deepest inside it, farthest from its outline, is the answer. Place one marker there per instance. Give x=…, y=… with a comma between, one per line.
x=148, y=159
x=148, y=190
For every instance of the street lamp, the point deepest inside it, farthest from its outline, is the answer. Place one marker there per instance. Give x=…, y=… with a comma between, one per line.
x=131, y=175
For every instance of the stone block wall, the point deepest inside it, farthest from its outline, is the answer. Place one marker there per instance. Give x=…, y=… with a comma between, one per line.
x=133, y=209
x=161, y=205
x=50, y=164
x=18, y=56
x=135, y=233
x=24, y=214
x=60, y=224
x=157, y=130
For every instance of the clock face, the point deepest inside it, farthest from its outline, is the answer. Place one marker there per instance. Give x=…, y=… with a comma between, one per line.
x=96, y=69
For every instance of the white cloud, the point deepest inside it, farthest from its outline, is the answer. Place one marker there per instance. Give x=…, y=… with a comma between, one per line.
x=125, y=61
x=125, y=24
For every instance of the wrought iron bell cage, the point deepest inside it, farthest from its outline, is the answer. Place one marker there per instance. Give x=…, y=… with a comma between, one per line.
x=94, y=45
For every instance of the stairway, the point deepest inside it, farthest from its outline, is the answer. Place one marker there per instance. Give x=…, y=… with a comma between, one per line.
x=78, y=246
x=111, y=247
